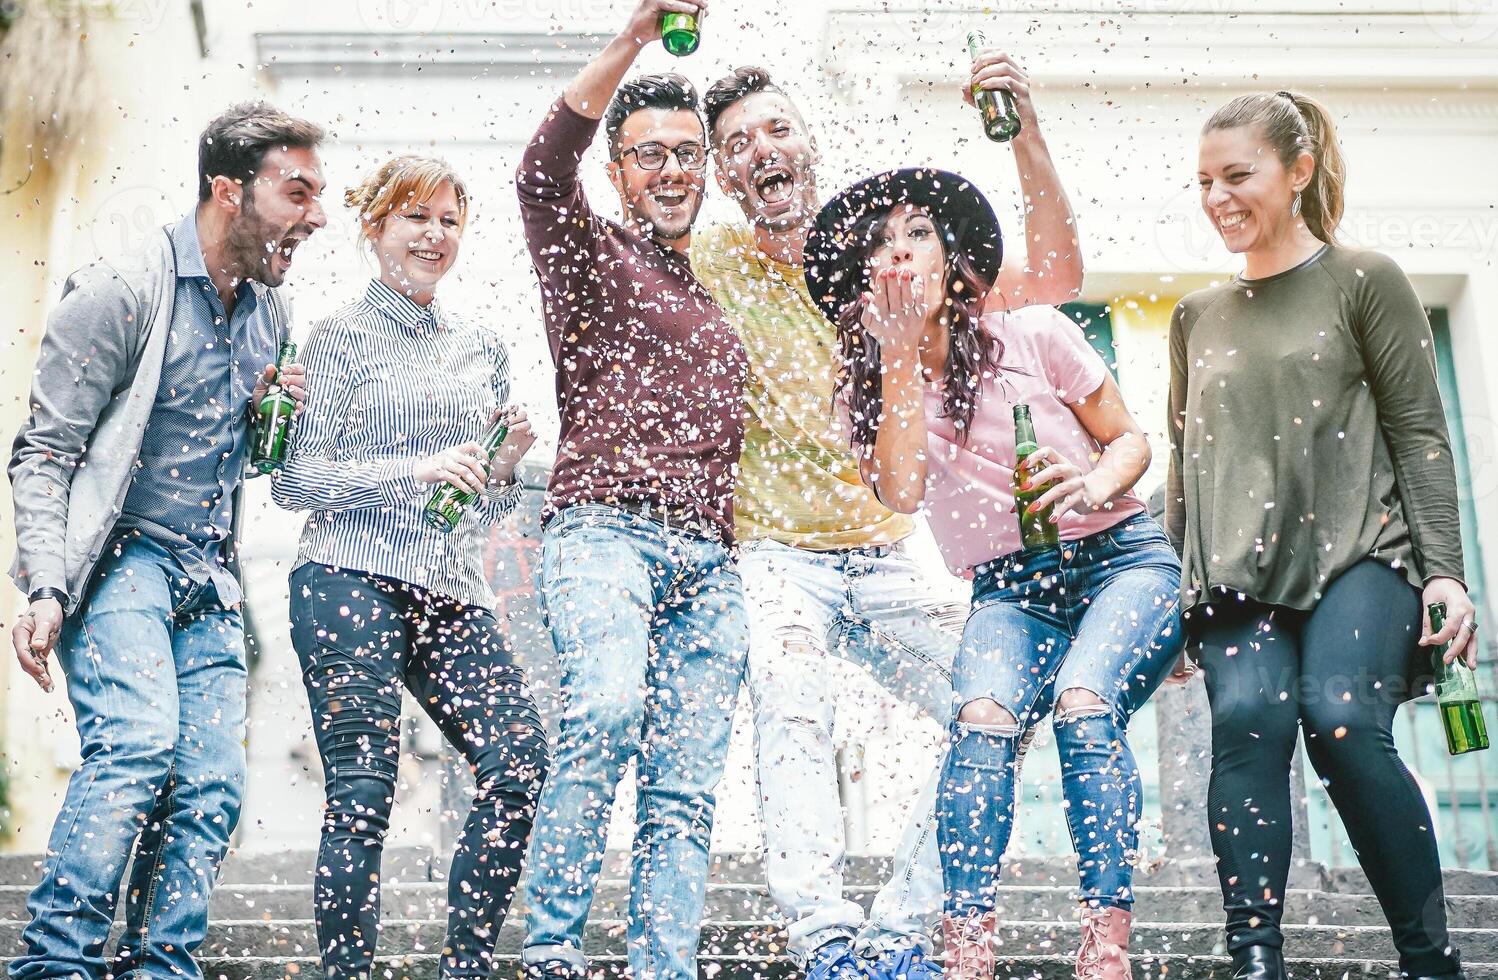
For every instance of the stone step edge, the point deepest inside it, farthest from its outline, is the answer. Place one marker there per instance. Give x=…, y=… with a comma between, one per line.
x=385, y=959
x=760, y=887
x=1297, y=931
x=747, y=923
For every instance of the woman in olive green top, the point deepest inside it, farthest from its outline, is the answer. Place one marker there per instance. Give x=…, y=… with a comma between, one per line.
x=1313, y=499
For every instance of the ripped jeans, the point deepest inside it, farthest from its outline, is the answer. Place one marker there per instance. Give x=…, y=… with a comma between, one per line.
x=1094, y=624
x=877, y=608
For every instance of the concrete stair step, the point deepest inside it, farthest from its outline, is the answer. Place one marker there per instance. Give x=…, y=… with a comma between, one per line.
x=421, y=864
x=423, y=966
x=606, y=937
x=260, y=867
x=743, y=902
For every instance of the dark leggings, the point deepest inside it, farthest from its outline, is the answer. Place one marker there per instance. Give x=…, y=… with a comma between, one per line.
x=360, y=638
x=1339, y=672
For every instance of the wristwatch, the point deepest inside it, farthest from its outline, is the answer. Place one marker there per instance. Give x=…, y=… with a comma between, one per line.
x=48, y=592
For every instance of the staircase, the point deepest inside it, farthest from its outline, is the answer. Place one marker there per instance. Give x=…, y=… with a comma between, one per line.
x=262, y=930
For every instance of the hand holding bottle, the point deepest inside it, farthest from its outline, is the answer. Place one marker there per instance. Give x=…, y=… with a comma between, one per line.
x=463, y=466
x=518, y=441
x=1070, y=490
x=645, y=23
x=995, y=71
x=292, y=379
x=1460, y=628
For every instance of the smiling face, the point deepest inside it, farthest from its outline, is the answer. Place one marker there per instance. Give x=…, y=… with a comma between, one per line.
x=417, y=242
x=909, y=239
x=659, y=203
x=1246, y=191
x=765, y=159
x=279, y=211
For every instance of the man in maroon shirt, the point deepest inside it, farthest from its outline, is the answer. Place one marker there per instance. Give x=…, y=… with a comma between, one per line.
x=641, y=591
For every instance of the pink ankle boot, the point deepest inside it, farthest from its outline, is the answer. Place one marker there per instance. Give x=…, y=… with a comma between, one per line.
x=1104, y=953
x=968, y=941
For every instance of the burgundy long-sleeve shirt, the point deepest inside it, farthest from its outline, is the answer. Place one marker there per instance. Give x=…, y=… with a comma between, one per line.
x=650, y=374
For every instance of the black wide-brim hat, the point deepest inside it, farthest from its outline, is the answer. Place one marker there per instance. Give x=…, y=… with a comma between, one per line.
x=959, y=209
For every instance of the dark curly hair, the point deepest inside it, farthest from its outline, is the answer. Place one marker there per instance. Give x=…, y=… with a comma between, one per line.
x=972, y=353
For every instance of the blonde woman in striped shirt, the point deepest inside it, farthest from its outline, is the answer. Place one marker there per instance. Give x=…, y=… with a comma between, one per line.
x=379, y=600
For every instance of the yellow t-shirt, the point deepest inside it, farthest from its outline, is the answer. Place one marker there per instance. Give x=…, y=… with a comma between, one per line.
x=798, y=482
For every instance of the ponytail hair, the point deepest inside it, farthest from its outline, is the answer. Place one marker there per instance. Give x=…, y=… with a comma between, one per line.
x=1294, y=124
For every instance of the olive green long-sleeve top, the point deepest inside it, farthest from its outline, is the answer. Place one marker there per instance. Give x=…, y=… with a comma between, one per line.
x=1307, y=433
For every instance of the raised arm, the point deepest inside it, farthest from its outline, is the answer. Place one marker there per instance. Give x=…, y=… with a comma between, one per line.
x=594, y=86
x=1045, y=267
x=560, y=227
x=895, y=466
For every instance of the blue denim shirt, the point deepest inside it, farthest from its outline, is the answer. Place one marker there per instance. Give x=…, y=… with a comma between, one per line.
x=196, y=442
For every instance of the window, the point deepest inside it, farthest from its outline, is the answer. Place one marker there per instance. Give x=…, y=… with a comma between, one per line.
x=1096, y=321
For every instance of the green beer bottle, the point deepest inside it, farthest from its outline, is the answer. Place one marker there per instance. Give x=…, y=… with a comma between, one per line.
x=1001, y=124
x=1035, y=530
x=448, y=503
x=679, y=33
x=1456, y=694
x=273, y=420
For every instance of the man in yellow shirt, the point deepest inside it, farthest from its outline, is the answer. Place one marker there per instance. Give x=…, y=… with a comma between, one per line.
x=823, y=562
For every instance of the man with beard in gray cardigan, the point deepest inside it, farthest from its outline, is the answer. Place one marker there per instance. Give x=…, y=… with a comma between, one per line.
x=126, y=479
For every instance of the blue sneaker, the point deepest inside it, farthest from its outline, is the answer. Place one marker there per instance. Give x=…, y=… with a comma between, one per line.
x=836, y=960
x=904, y=963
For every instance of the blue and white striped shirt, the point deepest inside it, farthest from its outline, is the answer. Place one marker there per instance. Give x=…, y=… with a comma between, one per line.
x=388, y=383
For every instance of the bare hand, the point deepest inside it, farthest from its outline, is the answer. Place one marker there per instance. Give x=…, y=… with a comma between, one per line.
x=34, y=637
x=994, y=70
x=895, y=308
x=462, y=466
x=293, y=381
x=1183, y=671
x=518, y=441
x=645, y=23
x=1461, y=621
x=1070, y=488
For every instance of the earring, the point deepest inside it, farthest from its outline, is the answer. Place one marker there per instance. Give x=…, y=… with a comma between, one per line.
x=1295, y=205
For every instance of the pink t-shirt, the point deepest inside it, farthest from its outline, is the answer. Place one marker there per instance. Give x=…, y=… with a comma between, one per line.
x=1048, y=364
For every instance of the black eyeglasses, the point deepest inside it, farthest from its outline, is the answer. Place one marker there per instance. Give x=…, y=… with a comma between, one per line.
x=652, y=156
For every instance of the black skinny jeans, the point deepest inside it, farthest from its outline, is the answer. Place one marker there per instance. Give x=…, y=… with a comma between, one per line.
x=360, y=637
x=1338, y=672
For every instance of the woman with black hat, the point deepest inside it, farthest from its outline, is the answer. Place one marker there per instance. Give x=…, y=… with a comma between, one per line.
x=902, y=264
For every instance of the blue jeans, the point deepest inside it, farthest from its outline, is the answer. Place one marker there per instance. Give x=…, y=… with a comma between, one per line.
x=155, y=670
x=651, y=635
x=1097, y=615
x=361, y=638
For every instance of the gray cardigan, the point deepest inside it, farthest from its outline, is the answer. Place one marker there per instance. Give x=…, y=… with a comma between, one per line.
x=95, y=384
